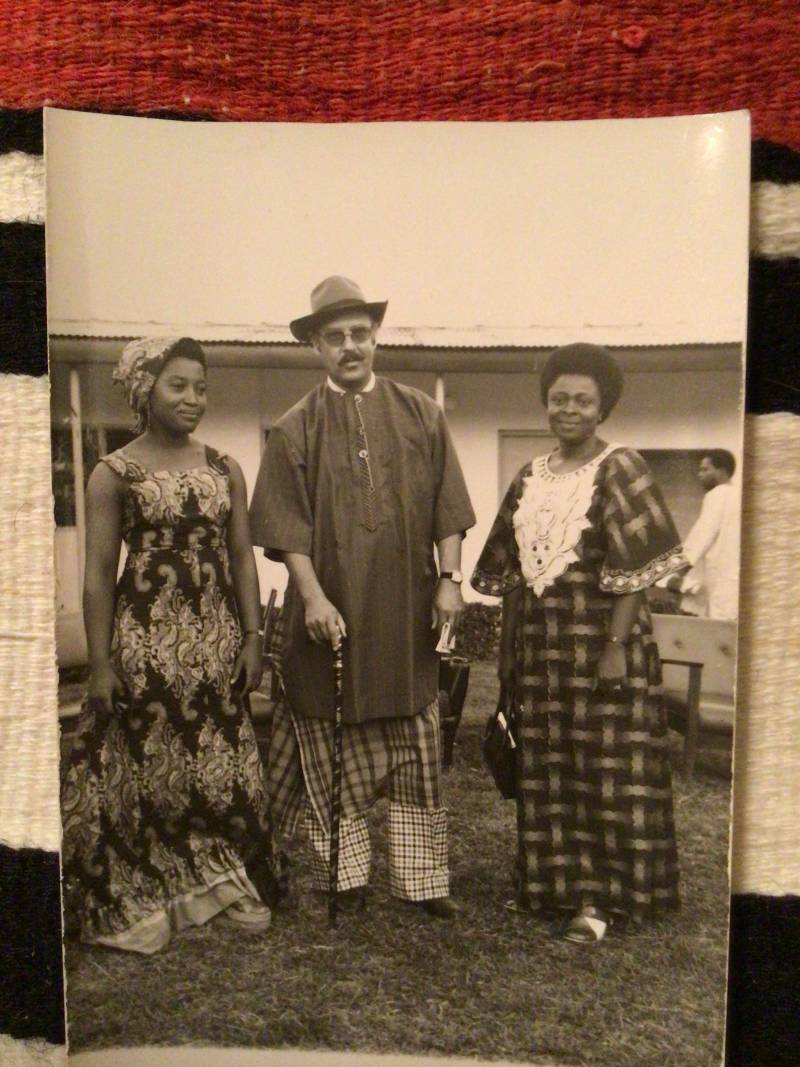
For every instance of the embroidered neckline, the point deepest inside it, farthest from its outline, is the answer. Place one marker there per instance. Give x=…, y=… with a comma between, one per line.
x=568, y=474
x=551, y=517
x=129, y=462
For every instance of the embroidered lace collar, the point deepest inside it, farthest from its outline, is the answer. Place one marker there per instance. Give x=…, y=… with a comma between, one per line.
x=551, y=517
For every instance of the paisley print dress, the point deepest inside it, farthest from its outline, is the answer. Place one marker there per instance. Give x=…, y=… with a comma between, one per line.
x=594, y=808
x=164, y=805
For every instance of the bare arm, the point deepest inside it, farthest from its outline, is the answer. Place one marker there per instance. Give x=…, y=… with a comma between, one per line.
x=324, y=623
x=103, y=542
x=448, y=603
x=611, y=667
x=247, y=669
x=240, y=548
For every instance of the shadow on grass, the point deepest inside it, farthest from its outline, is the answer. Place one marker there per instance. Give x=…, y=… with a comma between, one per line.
x=390, y=979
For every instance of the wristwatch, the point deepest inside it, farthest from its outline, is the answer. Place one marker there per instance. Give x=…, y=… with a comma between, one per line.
x=454, y=576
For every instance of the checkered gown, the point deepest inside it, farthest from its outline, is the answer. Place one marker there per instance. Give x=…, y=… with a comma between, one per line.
x=594, y=815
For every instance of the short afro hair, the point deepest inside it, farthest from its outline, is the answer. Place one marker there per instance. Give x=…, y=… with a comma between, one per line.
x=595, y=362
x=722, y=459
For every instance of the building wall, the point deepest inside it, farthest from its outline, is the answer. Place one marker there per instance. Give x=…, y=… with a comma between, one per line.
x=658, y=410
x=696, y=409
x=242, y=404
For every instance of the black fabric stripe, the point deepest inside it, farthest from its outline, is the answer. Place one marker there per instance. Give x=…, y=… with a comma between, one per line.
x=31, y=973
x=23, y=311
x=22, y=252
x=23, y=327
x=772, y=162
x=773, y=356
x=764, y=982
x=21, y=131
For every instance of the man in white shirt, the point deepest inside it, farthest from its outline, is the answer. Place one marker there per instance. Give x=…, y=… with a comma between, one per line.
x=712, y=546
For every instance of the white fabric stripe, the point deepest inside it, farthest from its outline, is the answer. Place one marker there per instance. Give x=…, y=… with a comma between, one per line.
x=775, y=217
x=31, y=1053
x=766, y=825
x=21, y=187
x=28, y=687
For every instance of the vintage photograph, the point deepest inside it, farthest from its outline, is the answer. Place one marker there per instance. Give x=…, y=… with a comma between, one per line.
x=396, y=476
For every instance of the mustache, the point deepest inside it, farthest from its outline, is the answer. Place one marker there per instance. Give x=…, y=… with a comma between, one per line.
x=350, y=359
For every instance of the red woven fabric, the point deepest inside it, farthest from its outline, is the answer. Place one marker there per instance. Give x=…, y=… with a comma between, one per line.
x=336, y=60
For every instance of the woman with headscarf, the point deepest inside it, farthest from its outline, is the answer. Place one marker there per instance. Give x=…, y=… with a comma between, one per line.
x=581, y=534
x=163, y=797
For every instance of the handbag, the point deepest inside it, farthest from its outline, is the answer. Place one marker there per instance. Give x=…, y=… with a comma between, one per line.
x=499, y=745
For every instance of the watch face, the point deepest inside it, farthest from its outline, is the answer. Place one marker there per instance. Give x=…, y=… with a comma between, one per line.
x=454, y=576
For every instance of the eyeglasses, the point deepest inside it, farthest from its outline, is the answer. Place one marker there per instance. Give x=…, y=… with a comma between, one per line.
x=336, y=338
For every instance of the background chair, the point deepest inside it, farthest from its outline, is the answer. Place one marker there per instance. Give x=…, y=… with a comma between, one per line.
x=699, y=661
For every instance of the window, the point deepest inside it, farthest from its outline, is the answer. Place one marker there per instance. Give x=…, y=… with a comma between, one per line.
x=97, y=441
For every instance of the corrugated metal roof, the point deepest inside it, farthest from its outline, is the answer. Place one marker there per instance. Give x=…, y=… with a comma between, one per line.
x=536, y=335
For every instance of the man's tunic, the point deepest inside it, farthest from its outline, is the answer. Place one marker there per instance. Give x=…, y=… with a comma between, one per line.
x=371, y=548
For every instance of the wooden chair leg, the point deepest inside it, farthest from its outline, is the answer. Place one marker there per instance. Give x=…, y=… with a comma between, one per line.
x=692, y=720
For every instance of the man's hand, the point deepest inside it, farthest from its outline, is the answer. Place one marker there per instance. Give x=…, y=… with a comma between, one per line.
x=324, y=624
x=448, y=605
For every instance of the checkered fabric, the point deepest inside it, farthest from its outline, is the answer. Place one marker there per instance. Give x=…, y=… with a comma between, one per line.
x=355, y=851
x=417, y=852
x=396, y=757
x=594, y=815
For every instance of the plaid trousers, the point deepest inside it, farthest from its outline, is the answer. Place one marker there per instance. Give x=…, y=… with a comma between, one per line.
x=397, y=757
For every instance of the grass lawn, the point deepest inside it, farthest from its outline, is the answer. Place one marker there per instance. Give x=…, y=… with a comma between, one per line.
x=494, y=984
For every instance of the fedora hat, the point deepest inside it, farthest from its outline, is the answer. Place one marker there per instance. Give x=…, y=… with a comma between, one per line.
x=331, y=297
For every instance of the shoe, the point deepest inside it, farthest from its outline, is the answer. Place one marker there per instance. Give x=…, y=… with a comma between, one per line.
x=439, y=907
x=588, y=927
x=354, y=899
x=249, y=913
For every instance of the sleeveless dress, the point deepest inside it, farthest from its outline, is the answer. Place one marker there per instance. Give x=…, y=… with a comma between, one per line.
x=164, y=806
x=594, y=810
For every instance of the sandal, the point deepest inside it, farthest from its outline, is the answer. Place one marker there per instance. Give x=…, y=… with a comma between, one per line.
x=249, y=913
x=588, y=927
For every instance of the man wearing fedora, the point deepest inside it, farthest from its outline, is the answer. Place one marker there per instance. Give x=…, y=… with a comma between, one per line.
x=359, y=481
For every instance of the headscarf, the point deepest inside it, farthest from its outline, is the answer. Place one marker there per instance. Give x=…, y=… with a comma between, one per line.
x=141, y=363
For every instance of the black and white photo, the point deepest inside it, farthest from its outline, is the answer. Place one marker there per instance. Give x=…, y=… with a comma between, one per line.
x=367, y=439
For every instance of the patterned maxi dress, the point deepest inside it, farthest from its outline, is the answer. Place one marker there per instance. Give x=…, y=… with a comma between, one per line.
x=164, y=803
x=594, y=811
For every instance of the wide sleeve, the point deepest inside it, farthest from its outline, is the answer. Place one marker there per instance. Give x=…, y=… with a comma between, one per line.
x=281, y=519
x=453, y=512
x=498, y=569
x=642, y=542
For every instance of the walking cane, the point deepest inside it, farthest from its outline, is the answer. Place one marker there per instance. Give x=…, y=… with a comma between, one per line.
x=336, y=787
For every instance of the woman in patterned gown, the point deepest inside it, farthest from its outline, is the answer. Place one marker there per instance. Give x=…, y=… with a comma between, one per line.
x=579, y=537
x=164, y=804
